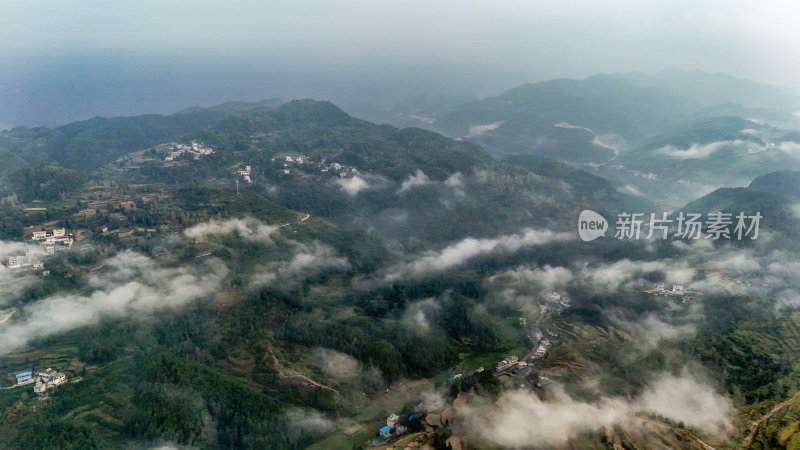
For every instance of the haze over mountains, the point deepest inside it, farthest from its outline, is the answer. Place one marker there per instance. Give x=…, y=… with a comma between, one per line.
x=669, y=136
x=638, y=130
x=429, y=224
x=58, y=89
x=361, y=257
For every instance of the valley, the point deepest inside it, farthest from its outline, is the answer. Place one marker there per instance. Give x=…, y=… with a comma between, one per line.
x=200, y=308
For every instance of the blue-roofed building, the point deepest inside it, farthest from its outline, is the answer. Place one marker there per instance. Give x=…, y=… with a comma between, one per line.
x=24, y=377
x=385, y=431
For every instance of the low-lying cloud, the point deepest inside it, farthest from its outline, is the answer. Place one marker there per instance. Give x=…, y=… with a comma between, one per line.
x=307, y=261
x=626, y=272
x=353, y=185
x=651, y=331
x=547, y=276
x=247, y=228
x=790, y=147
x=418, y=179
x=685, y=399
x=420, y=315
x=477, y=130
x=13, y=283
x=340, y=366
x=521, y=419
x=307, y=421
x=459, y=253
x=11, y=248
x=131, y=285
x=697, y=151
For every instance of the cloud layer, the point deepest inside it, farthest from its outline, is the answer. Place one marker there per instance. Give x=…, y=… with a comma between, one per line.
x=353, y=185
x=131, y=285
x=521, y=419
x=247, y=228
x=417, y=179
x=459, y=253
x=307, y=261
x=12, y=283
x=698, y=151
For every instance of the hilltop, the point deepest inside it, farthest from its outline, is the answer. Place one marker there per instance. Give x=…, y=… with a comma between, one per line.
x=271, y=268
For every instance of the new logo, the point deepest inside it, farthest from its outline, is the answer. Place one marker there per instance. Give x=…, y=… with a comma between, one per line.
x=591, y=225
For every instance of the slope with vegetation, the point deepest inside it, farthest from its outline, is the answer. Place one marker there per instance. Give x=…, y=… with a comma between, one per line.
x=311, y=323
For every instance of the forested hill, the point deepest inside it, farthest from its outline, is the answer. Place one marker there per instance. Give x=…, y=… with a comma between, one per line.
x=773, y=195
x=447, y=187
x=89, y=144
x=309, y=126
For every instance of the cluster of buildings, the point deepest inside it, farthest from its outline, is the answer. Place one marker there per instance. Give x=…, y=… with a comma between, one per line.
x=515, y=366
x=343, y=171
x=645, y=175
x=555, y=297
x=54, y=241
x=392, y=427
x=48, y=379
x=195, y=149
x=523, y=369
x=637, y=173
x=539, y=341
x=290, y=162
x=541, y=350
x=677, y=290
x=245, y=174
x=23, y=261
x=507, y=363
x=555, y=301
x=42, y=380
x=325, y=166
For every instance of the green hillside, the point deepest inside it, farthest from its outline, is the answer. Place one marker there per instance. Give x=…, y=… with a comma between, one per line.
x=11, y=163
x=358, y=270
x=771, y=195
x=785, y=182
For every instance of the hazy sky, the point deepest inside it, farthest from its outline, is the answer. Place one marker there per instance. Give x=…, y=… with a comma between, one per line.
x=491, y=44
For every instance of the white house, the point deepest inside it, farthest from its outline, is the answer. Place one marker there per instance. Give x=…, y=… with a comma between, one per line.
x=26, y=260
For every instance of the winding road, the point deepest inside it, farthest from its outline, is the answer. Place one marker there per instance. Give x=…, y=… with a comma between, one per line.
x=756, y=423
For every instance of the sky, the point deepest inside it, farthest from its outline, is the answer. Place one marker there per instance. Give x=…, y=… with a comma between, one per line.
x=175, y=53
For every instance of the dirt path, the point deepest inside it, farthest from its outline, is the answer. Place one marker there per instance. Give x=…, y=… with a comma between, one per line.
x=302, y=378
x=305, y=217
x=756, y=423
x=668, y=428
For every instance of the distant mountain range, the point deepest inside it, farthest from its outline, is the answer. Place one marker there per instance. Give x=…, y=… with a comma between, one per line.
x=672, y=136
x=491, y=195
x=776, y=196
